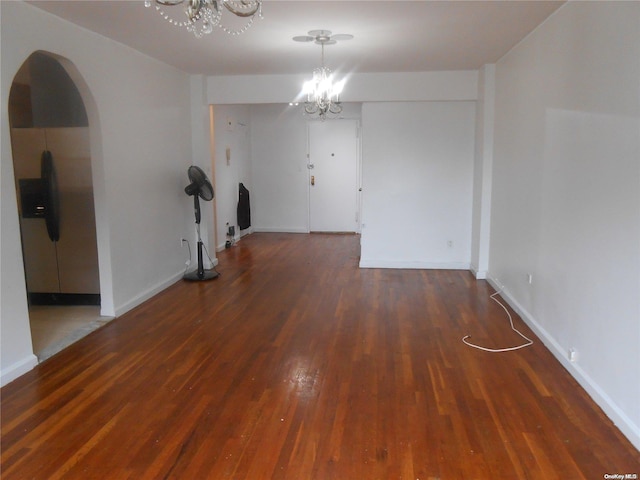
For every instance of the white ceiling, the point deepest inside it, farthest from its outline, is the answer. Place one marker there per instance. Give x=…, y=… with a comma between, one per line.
x=389, y=36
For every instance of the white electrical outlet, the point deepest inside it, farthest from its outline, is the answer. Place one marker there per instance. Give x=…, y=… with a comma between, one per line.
x=530, y=278
x=573, y=355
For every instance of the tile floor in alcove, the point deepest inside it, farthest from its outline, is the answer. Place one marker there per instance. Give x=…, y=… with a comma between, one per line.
x=54, y=328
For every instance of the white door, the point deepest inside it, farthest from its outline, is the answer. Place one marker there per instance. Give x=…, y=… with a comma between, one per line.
x=333, y=176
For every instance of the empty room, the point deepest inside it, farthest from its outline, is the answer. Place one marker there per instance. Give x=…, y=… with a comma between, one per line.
x=320, y=239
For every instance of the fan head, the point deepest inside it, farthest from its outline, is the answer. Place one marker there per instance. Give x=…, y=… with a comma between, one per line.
x=200, y=184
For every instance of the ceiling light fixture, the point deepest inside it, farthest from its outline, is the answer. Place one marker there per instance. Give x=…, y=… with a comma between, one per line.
x=323, y=95
x=203, y=15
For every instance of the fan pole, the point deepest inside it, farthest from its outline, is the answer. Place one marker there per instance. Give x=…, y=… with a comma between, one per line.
x=200, y=273
x=200, y=260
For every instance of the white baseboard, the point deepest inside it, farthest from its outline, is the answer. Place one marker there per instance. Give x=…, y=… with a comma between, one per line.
x=237, y=237
x=604, y=401
x=17, y=369
x=280, y=230
x=377, y=263
x=479, y=274
x=147, y=294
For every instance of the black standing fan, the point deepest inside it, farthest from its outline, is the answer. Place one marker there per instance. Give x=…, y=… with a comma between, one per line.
x=200, y=187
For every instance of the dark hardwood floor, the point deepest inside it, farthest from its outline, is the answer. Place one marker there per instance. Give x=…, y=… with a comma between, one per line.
x=295, y=364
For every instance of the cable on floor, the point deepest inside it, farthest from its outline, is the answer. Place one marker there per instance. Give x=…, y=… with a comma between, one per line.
x=497, y=350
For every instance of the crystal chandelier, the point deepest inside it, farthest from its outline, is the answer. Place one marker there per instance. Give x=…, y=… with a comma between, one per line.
x=202, y=15
x=323, y=95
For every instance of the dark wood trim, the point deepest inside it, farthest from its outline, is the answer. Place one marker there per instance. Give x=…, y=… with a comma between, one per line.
x=43, y=298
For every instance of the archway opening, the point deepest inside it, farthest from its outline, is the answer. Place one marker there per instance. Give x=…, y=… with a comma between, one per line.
x=50, y=141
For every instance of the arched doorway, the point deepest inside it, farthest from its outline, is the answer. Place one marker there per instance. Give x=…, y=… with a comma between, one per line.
x=52, y=167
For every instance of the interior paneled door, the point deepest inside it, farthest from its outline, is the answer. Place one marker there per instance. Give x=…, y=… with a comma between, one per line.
x=333, y=176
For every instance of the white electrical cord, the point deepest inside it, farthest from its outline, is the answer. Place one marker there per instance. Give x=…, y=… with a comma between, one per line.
x=188, y=262
x=497, y=350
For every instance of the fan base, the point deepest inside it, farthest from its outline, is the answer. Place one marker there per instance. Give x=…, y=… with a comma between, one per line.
x=194, y=277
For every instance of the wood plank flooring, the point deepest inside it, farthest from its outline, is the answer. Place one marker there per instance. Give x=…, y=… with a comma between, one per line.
x=295, y=364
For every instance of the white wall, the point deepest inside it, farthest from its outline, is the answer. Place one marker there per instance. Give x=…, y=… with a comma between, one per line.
x=417, y=166
x=362, y=87
x=417, y=180
x=140, y=146
x=232, y=131
x=482, y=171
x=202, y=157
x=279, y=198
x=279, y=146
x=566, y=195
